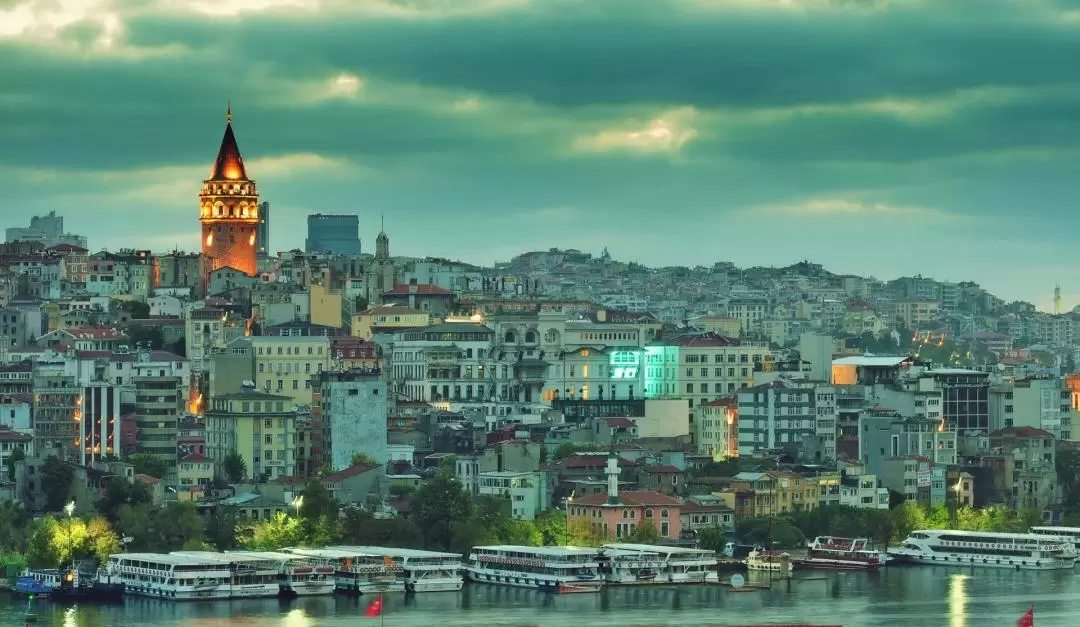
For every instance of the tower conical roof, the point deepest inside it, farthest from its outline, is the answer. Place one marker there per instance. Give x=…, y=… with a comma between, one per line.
x=229, y=165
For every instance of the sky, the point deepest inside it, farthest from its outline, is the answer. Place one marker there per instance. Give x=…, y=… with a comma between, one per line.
x=877, y=137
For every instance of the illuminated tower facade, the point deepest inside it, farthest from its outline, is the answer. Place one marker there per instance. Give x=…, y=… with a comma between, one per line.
x=229, y=212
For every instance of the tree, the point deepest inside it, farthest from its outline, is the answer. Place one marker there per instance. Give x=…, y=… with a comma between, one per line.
x=277, y=533
x=137, y=309
x=14, y=523
x=317, y=502
x=438, y=508
x=566, y=449
x=234, y=467
x=363, y=459
x=56, y=477
x=140, y=334
x=220, y=530
x=147, y=464
x=644, y=533
x=361, y=527
x=119, y=492
x=60, y=541
x=711, y=539
x=16, y=456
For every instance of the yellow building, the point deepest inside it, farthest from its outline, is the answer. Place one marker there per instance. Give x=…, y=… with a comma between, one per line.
x=325, y=306
x=285, y=364
x=756, y=494
x=196, y=475
x=387, y=319
x=260, y=427
x=722, y=325
x=917, y=313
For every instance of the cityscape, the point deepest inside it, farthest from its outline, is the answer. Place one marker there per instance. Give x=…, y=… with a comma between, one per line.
x=460, y=334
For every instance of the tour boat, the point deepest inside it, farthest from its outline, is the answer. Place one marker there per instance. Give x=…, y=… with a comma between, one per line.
x=564, y=569
x=842, y=554
x=1065, y=534
x=769, y=561
x=1019, y=551
x=629, y=564
x=423, y=571
x=250, y=576
x=189, y=575
x=302, y=575
x=358, y=571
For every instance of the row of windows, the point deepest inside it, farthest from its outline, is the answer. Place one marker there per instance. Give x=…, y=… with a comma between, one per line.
x=289, y=350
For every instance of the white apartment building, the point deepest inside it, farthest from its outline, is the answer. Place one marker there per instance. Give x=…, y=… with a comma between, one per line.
x=701, y=368
x=749, y=312
x=716, y=428
x=862, y=491
x=775, y=415
x=527, y=491
x=1043, y=402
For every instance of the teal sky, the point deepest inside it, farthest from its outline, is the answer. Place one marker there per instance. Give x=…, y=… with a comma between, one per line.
x=876, y=137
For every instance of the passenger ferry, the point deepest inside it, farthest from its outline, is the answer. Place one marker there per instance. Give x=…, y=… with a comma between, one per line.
x=1071, y=534
x=550, y=568
x=842, y=554
x=250, y=576
x=357, y=571
x=769, y=561
x=424, y=571
x=1019, y=551
x=302, y=575
x=171, y=576
x=631, y=564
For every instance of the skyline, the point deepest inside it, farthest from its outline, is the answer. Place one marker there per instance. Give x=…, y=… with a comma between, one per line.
x=875, y=138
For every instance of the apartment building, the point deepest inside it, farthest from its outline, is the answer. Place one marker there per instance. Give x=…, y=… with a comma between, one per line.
x=701, y=368
x=780, y=414
x=285, y=365
x=261, y=427
x=716, y=428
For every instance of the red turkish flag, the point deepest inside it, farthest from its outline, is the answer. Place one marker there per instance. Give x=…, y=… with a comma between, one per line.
x=1028, y=619
x=375, y=608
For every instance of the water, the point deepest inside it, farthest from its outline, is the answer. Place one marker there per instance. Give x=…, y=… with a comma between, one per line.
x=895, y=597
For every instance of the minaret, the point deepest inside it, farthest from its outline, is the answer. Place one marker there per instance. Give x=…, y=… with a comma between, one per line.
x=612, y=472
x=382, y=242
x=229, y=211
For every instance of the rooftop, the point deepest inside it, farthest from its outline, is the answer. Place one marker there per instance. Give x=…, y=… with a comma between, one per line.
x=631, y=498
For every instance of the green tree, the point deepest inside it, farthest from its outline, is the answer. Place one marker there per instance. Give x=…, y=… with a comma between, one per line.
x=119, y=492
x=56, y=476
x=137, y=309
x=60, y=541
x=220, y=528
x=14, y=527
x=177, y=526
x=147, y=464
x=644, y=533
x=234, y=467
x=566, y=449
x=906, y=518
x=16, y=456
x=711, y=539
x=277, y=533
x=317, y=502
x=361, y=527
x=438, y=508
x=364, y=459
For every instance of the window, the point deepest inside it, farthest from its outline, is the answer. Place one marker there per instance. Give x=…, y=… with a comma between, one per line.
x=269, y=421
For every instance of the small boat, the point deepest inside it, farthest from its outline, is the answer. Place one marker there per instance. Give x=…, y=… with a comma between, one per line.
x=769, y=561
x=41, y=582
x=829, y=552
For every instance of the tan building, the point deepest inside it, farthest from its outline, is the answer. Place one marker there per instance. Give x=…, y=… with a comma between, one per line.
x=196, y=475
x=260, y=427
x=702, y=368
x=716, y=428
x=285, y=364
x=325, y=306
x=915, y=313
x=387, y=319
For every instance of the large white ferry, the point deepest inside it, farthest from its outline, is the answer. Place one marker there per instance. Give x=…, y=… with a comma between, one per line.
x=550, y=568
x=1019, y=551
x=302, y=575
x=357, y=571
x=632, y=564
x=186, y=575
x=250, y=576
x=1070, y=534
x=424, y=571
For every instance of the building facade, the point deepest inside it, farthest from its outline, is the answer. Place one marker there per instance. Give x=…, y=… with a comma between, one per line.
x=334, y=234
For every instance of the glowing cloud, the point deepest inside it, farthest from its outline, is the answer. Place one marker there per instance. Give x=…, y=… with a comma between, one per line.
x=665, y=134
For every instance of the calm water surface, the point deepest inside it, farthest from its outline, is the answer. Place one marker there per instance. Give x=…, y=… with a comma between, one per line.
x=895, y=597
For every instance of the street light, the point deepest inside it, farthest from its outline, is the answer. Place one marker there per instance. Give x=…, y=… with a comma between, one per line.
x=297, y=503
x=70, y=508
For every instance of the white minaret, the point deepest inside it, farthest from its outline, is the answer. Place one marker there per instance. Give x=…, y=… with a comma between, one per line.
x=612, y=478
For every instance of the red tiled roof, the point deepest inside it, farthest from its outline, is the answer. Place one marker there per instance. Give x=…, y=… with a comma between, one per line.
x=426, y=289
x=195, y=457
x=631, y=498
x=351, y=471
x=1022, y=432
x=620, y=422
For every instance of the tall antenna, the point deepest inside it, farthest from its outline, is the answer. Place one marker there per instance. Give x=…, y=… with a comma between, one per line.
x=1057, y=299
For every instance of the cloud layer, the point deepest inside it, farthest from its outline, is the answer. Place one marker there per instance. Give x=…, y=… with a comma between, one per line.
x=891, y=137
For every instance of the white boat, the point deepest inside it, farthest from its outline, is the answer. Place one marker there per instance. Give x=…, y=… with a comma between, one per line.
x=634, y=564
x=301, y=575
x=769, y=561
x=833, y=553
x=424, y=571
x=1019, y=551
x=551, y=568
x=356, y=571
x=172, y=577
x=1070, y=535
x=250, y=576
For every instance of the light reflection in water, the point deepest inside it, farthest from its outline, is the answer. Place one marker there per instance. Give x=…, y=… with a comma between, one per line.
x=297, y=618
x=69, y=617
x=958, y=600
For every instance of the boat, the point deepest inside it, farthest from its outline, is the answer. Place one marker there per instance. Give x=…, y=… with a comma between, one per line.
x=86, y=583
x=1019, y=551
x=189, y=575
x=301, y=575
x=1065, y=534
x=38, y=582
x=835, y=553
x=251, y=576
x=629, y=564
x=564, y=569
x=423, y=571
x=762, y=560
x=357, y=572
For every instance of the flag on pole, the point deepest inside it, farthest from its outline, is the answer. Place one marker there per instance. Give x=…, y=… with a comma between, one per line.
x=375, y=608
x=1028, y=619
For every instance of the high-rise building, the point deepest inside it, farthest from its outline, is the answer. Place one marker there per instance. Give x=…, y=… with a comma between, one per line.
x=229, y=212
x=262, y=233
x=337, y=234
x=48, y=230
x=353, y=416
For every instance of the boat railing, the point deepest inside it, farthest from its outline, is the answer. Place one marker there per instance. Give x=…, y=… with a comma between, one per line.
x=1000, y=546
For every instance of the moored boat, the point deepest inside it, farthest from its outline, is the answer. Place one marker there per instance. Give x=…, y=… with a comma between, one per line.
x=422, y=571
x=301, y=575
x=769, y=561
x=90, y=585
x=565, y=569
x=637, y=564
x=833, y=553
x=38, y=582
x=1018, y=551
x=357, y=571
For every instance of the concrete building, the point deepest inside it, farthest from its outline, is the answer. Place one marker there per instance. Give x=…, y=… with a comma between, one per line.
x=286, y=364
x=884, y=434
x=528, y=492
x=260, y=427
x=48, y=230
x=716, y=428
x=776, y=415
x=354, y=413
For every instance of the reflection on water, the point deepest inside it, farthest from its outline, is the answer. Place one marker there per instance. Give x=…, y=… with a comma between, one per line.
x=895, y=597
x=957, y=600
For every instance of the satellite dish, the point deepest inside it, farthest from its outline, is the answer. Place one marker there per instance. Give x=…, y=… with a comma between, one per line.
x=737, y=581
